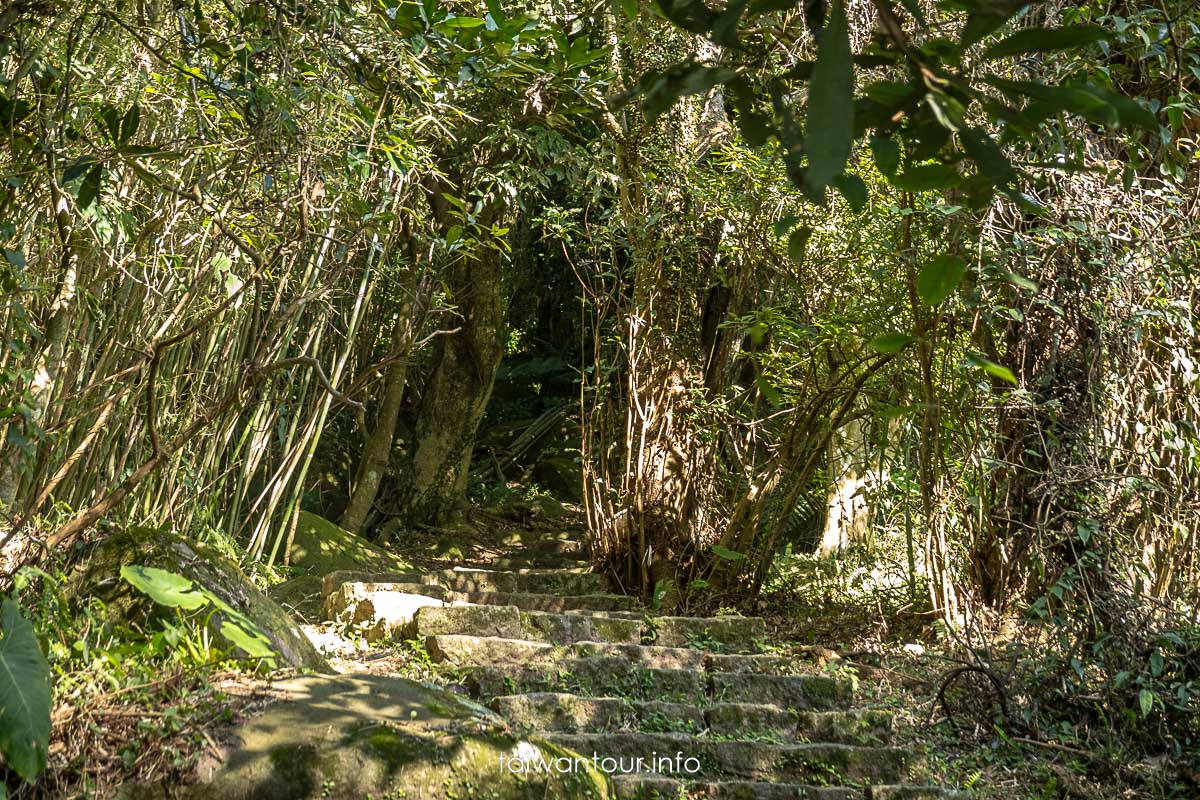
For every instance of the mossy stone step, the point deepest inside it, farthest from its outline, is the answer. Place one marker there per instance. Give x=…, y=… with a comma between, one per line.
x=914, y=792
x=804, y=692
x=564, y=629
x=596, y=676
x=469, y=651
x=545, y=561
x=759, y=662
x=503, y=622
x=558, y=604
x=647, y=655
x=540, y=581
x=568, y=713
x=758, y=761
x=732, y=634
x=658, y=787
x=757, y=719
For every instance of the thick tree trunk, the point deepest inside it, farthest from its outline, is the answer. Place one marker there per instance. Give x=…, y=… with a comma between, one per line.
x=456, y=392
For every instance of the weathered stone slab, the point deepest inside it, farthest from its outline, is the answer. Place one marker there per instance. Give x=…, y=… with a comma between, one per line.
x=742, y=634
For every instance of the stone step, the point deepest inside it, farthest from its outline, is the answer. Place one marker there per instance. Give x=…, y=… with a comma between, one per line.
x=471, y=651
x=558, y=604
x=647, y=655
x=503, y=622
x=566, y=629
x=756, y=761
x=658, y=787
x=802, y=692
x=533, y=561
x=719, y=634
x=595, y=676
x=555, y=547
x=745, y=720
x=540, y=581
x=568, y=713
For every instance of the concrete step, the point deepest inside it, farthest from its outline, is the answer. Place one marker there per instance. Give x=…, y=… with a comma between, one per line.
x=718, y=634
x=595, y=676
x=756, y=761
x=568, y=713
x=538, y=581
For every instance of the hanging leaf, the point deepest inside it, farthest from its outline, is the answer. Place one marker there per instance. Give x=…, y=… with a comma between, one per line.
x=992, y=368
x=798, y=244
x=1046, y=40
x=853, y=189
x=830, y=120
x=89, y=189
x=890, y=343
x=248, y=638
x=926, y=178
x=938, y=279
x=887, y=154
x=24, y=695
x=726, y=553
x=1146, y=701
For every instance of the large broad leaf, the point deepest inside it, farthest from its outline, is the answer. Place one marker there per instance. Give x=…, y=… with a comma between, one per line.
x=24, y=695
x=165, y=588
x=938, y=279
x=830, y=123
x=890, y=343
x=243, y=633
x=1046, y=40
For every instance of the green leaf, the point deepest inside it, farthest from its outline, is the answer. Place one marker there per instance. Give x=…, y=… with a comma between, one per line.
x=726, y=553
x=245, y=635
x=988, y=156
x=992, y=368
x=830, y=119
x=629, y=8
x=165, y=588
x=890, y=343
x=89, y=190
x=938, y=279
x=1146, y=701
x=926, y=178
x=798, y=244
x=853, y=189
x=1046, y=40
x=785, y=224
x=24, y=695
x=886, y=153
x=461, y=23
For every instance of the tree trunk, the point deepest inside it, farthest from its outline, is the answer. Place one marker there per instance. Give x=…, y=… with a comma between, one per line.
x=456, y=393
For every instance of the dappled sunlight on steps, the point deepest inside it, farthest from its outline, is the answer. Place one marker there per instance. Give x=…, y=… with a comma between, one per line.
x=536, y=637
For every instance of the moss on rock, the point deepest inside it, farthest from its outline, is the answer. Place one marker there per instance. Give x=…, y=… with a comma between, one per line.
x=319, y=547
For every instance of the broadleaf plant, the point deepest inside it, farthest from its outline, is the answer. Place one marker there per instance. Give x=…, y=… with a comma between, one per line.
x=24, y=695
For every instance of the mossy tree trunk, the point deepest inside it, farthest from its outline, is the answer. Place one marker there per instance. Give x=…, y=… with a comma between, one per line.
x=459, y=381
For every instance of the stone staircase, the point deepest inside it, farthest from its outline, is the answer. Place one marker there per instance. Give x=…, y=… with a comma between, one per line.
x=536, y=637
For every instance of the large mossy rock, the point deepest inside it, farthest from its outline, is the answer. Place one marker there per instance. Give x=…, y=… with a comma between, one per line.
x=100, y=576
x=380, y=736
x=320, y=547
